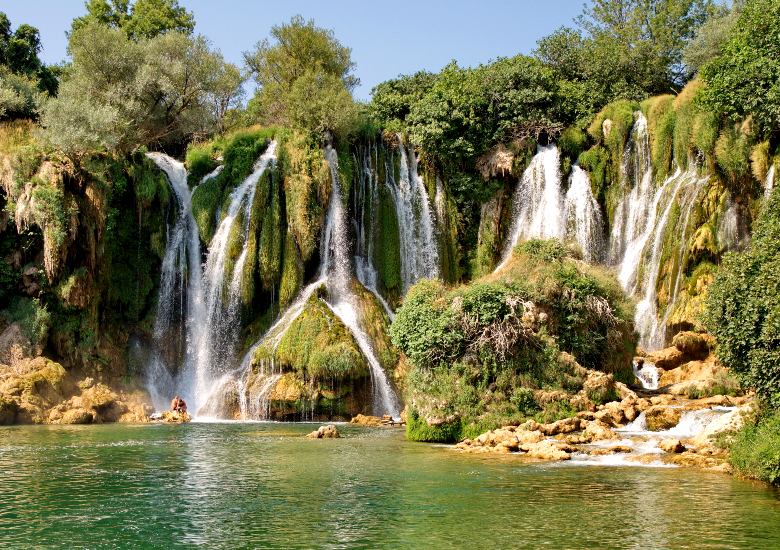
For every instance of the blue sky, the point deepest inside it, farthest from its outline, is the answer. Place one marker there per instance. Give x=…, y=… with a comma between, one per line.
x=387, y=38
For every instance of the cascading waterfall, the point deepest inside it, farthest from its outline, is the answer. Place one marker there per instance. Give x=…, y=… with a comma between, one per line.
x=416, y=224
x=215, y=350
x=582, y=216
x=336, y=275
x=540, y=210
x=180, y=303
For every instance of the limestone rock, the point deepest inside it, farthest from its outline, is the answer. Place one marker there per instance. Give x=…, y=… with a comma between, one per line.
x=366, y=420
x=77, y=416
x=693, y=344
x=666, y=359
x=324, y=432
x=547, y=450
x=598, y=430
x=671, y=446
x=662, y=417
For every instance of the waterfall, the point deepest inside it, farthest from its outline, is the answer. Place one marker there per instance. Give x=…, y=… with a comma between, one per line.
x=540, y=210
x=365, y=207
x=335, y=274
x=341, y=299
x=221, y=326
x=180, y=302
x=416, y=226
x=582, y=216
x=537, y=202
x=647, y=374
x=769, y=182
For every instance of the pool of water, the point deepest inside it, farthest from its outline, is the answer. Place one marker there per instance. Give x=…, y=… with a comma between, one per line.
x=264, y=485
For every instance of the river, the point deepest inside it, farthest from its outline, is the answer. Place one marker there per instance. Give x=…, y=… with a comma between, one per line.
x=230, y=485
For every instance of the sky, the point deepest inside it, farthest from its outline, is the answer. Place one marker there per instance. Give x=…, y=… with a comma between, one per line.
x=387, y=38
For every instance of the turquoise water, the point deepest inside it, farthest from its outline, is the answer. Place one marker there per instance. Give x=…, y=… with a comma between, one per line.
x=265, y=486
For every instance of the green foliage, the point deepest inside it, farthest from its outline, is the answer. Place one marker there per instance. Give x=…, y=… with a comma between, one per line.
x=144, y=19
x=425, y=328
x=22, y=74
x=387, y=251
x=710, y=38
x=19, y=95
x=540, y=250
x=205, y=200
x=623, y=49
x=743, y=307
x=52, y=212
x=304, y=79
x=755, y=450
x=271, y=239
x=393, y=100
x=33, y=318
x=745, y=79
x=200, y=161
x=417, y=429
x=157, y=90
x=292, y=272
x=466, y=111
x=732, y=151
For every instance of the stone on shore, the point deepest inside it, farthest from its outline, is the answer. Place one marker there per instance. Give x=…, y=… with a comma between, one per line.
x=325, y=432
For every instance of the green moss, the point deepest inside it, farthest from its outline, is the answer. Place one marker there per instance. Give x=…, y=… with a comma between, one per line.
x=376, y=324
x=201, y=159
x=387, y=251
x=319, y=346
x=417, y=429
x=271, y=240
x=292, y=272
x=705, y=132
x=235, y=244
x=732, y=151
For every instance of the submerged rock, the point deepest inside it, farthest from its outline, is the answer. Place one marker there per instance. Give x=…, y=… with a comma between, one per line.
x=671, y=445
x=366, y=420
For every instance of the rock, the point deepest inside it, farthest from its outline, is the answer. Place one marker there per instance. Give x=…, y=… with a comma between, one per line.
x=625, y=392
x=666, y=359
x=611, y=450
x=86, y=383
x=611, y=413
x=525, y=437
x=692, y=344
x=325, y=432
x=703, y=373
x=77, y=416
x=365, y=420
x=8, y=411
x=547, y=450
x=598, y=430
x=174, y=417
x=661, y=417
x=728, y=422
x=565, y=426
x=671, y=446
x=14, y=345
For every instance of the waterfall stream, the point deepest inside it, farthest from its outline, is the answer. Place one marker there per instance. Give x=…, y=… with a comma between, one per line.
x=541, y=210
x=180, y=302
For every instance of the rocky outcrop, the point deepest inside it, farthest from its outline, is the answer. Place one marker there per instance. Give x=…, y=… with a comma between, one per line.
x=325, y=432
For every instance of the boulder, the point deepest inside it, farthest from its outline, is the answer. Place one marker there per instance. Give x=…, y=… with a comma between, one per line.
x=598, y=430
x=366, y=420
x=661, y=417
x=611, y=413
x=666, y=359
x=671, y=445
x=8, y=411
x=77, y=416
x=565, y=426
x=547, y=450
x=324, y=432
x=693, y=345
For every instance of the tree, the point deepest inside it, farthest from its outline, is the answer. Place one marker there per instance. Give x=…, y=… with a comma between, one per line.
x=625, y=48
x=745, y=79
x=144, y=19
x=743, y=307
x=119, y=94
x=710, y=38
x=22, y=74
x=300, y=50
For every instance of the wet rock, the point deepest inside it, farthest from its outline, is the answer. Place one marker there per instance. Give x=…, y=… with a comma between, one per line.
x=565, y=426
x=325, y=432
x=662, y=418
x=612, y=414
x=174, y=417
x=366, y=420
x=666, y=359
x=8, y=410
x=598, y=430
x=671, y=446
x=547, y=450
x=728, y=422
x=625, y=392
x=611, y=450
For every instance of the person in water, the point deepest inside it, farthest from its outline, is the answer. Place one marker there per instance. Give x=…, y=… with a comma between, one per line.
x=178, y=405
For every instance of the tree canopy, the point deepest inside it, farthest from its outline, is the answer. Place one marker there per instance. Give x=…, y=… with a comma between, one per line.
x=119, y=94
x=304, y=77
x=745, y=79
x=23, y=77
x=142, y=19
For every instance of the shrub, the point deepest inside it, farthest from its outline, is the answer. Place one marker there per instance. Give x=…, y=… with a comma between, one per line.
x=33, y=318
x=743, y=307
x=755, y=450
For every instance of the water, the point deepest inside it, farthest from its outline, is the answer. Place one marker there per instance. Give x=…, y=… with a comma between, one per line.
x=582, y=216
x=180, y=301
x=769, y=183
x=335, y=274
x=647, y=375
x=416, y=224
x=264, y=485
x=541, y=210
x=222, y=323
